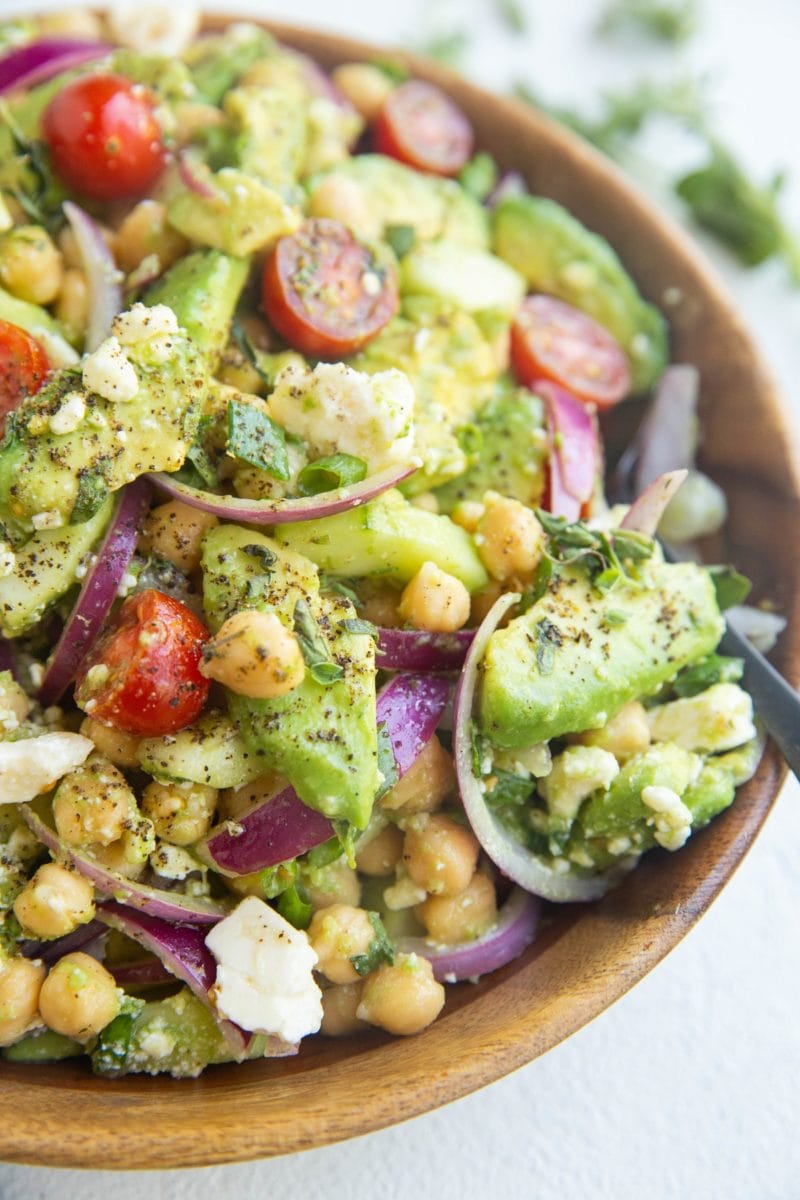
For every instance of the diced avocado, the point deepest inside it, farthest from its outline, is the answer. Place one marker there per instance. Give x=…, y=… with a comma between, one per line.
x=28, y=316
x=58, y=478
x=710, y=794
x=244, y=215
x=396, y=195
x=388, y=537
x=43, y=1046
x=203, y=290
x=212, y=752
x=270, y=134
x=44, y=569
x=559, y=255
x=219, y=61
x=321, y=737
x=512, y=449
x=460, y=275
x=563, y=666
x=619, y=811
x=742, y=763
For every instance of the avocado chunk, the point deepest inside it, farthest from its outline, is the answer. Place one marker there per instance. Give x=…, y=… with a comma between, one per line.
x=577, y=655
x=43, y=1046
x=463, y=276
x=619, y=810
x=212, y=752
x=219, y=61
x=44, y=569
x=388, y=537
x=203, y=290
x=242, y=216
x=559, y=255
x=27, y=316
x=270, y=134
x=321, y=737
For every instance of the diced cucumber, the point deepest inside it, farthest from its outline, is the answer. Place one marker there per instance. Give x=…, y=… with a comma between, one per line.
x=470, y=279
x=210, y=752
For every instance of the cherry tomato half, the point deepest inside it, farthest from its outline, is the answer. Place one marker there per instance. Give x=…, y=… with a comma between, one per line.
x=151, y=683
x=420, y=125
x=103, y=137
x=553, y=340
x=325, y=292
x=23, y=367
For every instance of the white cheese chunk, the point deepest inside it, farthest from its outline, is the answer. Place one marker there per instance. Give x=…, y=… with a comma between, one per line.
x=141, y=323
x=69, y=415
x=154, y=28
x=109, y=373
x=33, y=766
x=265, y=980
x=719, y=718
x=672, y=819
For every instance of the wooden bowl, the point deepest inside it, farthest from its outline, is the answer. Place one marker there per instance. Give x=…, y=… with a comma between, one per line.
x=590, y=955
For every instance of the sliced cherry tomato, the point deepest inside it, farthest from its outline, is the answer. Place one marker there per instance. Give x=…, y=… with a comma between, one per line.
x=104, y=140
x=325, y=292
x=23, y=367
x=420, y=125
x=553, y=340
x=142, y=676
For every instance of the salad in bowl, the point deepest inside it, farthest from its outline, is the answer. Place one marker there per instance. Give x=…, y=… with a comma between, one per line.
x=327, y=663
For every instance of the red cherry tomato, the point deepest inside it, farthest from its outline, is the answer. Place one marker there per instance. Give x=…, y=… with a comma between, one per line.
x=104, y=140
x=553, y=340
x=420, y=125
x=325, y=292
x=151, y=684
x=23, y=367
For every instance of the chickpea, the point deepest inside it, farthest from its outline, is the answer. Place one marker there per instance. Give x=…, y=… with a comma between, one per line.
x=121, y=749
x=381, y=854
x=626, y=734
x=20, y=984
x=337, y=933
x=255, y=655
x=93, y=804
x=72, y=305
x=426, y=784
x=79, y=997
x=460, y=918
x=380, y=605
x=343, y=199
x=72, y=22
x=235, y=801
x=175, y=531
x=31, y=266
x=145, y=231
x=14, y=704
x=365, y=86
x=483, y=600
x=54, y=902
x=402, y=998
x=237, y=372
x=339, y=1006
x=193, y=117
x=467, y=514
x=435, y=601
x=116, y=858
x=181, y=813
x=427, y=501
x=439, y=855
x=334, y=884
x=510, y=540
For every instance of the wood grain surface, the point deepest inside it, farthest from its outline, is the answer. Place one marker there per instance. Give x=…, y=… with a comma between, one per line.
x=587, y=956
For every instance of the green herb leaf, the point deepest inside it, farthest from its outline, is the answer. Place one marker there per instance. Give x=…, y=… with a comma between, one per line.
x=254, y=438
x=276, y=879
x=608, y=557
x=548, y=640
x=322, y=855
x=386, y=762
x=503, y=788
x=333, y=471
x=316, y=654
x=714, y=668
x=614, y=618
x=91, y=495
x=730, y=586
x=266, y=557
x=329, y=583
x=359, y=625
x=380, y=949
x=666, y=20
x=393, y=68
x=401, y=238
x=295, y=906
x=479, y=175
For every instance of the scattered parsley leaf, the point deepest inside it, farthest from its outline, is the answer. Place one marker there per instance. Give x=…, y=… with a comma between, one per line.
x=386, y=762
x=329, y=583
x=401, y=238
x=380, y=949
x=666, y=20
x=27, y=175
x=276, y=879
x=316, y=654
x=91, y=495
x=548, y=640
x=730, y=586
x=333, y=471
x=254, y=438
x=606, y=555
x=714, y=668
x=359, y=625
x=503, y=788
x=266, y=557
x=614, y=618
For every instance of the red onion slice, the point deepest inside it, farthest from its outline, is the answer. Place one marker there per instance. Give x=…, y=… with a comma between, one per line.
x=512, y=933
x=170, y=906
x=647, y=510
x=7, y=660
x=574, y=450
x=527, y=869
x=282, y=827
x=667, y=437
x=98, y=592
x=195, y=175
x=40, y=60
x=141, y=974
x=103, y=278
x=50, y=952
x=282, y=512
x=418, y=650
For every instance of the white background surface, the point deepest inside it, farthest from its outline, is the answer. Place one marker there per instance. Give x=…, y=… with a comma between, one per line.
x=687, y=1087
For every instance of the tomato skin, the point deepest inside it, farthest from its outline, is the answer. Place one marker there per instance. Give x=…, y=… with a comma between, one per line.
x=422, y=127
x=151, y=653
x=314, y=292
x=23, y=367
x=104, y=140
x=552, y=340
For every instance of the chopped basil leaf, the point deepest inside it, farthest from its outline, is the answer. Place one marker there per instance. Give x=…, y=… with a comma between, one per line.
x=386, y=762
x=714, y=668
x=359, y=625
x=380, y=949
x=255, y=438
x=91, y=495
x=401, y=238
x=333, y=471
x=316, y=654
x=730, y=586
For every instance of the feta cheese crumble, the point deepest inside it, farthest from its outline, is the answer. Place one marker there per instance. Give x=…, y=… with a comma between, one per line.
x=265, y=980
x=8, y=560
x=720, y=718
x=141, y=323
x=672, y=820
x=109, y=373
x=69, y=415
x=33, y=766
x=47, y=520
x=335, y=408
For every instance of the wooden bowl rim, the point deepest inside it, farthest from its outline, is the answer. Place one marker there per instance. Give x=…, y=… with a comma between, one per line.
x=63, y=1116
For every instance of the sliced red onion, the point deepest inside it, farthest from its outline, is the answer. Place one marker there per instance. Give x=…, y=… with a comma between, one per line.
x=648, y=509
x=39, y=61
x=141, y=974
x=513, y=932
x=574, y=450
x=195, y=175
x=170, y=906
x=667, y=437
x=7, y=661
x=527, y=869
x=103, y=278
x=282, y=827
x=98, y=592
x=510, y=183
x=282, y=512
x=183, y=951
x=51, y=951
x=418, y=650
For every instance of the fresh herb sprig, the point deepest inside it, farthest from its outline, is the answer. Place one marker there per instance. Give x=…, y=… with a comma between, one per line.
x=316, y=654
x=609, y=556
